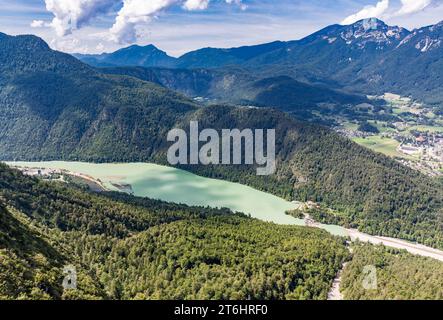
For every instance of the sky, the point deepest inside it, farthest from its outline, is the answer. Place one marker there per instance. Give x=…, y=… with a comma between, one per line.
x=180, y=26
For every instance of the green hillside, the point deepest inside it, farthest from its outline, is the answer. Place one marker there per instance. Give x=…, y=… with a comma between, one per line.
x=130, y=248
x=400, y=275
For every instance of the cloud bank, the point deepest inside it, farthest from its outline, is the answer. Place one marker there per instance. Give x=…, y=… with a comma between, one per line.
x=138, y=12
x=376, y=11
x=70, y=15
x=37, y=24
x=384, y=9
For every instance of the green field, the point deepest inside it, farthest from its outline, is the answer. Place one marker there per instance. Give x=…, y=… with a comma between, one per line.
x=386, y=146
x=433, y=129
x=397, y=111
x=350, y=126
x=381, y=126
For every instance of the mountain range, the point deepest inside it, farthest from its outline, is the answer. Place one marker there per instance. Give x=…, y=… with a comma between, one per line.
x=367, y=57
x=54, y=107
x=239, y=86
x=147, y=56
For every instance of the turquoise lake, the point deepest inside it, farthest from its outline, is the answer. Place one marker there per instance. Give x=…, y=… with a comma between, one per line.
x=178, y=186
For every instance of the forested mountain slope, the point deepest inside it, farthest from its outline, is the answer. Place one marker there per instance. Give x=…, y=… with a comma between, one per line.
x=32, y=261
x=399, y=275
x=129, y=248
x=377, y=194
x=146, y=56
x=66, y=106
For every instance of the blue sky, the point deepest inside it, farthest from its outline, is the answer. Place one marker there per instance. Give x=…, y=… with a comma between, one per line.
x=178, y=26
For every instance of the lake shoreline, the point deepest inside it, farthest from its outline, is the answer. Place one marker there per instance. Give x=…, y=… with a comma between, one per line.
x=163, y=187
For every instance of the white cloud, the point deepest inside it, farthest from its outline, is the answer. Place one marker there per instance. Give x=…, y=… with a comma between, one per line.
x=375, y=11
x=196, y=4
x=132, y=14
x=383, y=9
x=70, y=15
x=73, y=14
x=37, y=24
x=136, y=13
x=413, y=6
x=237, y=2
x=68, y=45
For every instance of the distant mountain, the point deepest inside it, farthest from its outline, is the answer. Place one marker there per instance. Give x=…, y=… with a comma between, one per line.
x=215, y=58
x=147, y=56
x=150, y=56
x=413, y=68
x=367, y=57
x=239, y=86
x=335, y=50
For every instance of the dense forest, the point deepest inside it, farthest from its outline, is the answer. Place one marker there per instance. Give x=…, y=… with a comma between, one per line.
x=124, y=247
x=399, y=275
x=131, y=248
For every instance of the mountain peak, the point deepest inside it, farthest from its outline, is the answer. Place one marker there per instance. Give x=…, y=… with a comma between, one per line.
x=27, y=41
x=139, y=47
x=372, y=31
x=134, y=55
x=135, y=48
x=370, y=24
x=34, y=55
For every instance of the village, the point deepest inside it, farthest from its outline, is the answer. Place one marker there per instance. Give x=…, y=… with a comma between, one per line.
x=415, y=139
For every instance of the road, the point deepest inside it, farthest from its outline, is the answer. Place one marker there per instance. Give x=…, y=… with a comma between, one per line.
x=416, y=249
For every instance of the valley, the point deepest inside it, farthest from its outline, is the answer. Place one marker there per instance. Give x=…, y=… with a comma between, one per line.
x=177, y=186
x=358, y=178
x=118, y=118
